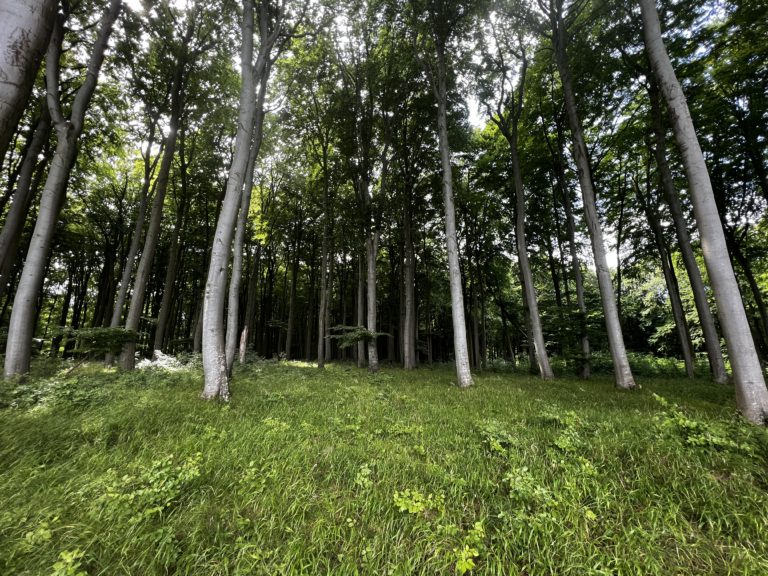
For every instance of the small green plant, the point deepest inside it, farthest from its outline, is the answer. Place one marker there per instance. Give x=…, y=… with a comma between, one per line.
x=495, y=437
x=695, y=432
x=153, y=490
x=363, y=477
x=414, y=502
x=465, y=559
x=69, y=564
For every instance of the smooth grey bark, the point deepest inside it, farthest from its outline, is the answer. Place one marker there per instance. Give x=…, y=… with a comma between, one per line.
x=138, y=227
x=360, y=312
x=22, y=199
x=214, y=331
x=214, y=353
x=578, y=278
x=170, y=278
x=545, y=370
x=706, y=319
x=409, y=285
x=506, y=116
x=22, y=324
x=372, y=249
x=25, y=28
x=673, y=290
x=233, y=305
x=133, y=318
x=622, y=371
x=461, y=353
x=751, y=392
x=324, y=263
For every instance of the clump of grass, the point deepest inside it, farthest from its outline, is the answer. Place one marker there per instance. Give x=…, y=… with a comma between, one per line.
x=310, y=472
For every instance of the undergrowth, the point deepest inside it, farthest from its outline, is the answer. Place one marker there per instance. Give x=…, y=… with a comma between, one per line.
x=342, y=472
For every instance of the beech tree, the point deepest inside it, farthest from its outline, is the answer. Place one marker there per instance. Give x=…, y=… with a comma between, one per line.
x=436, y=23
x=503, y=97
x=214, y=334
x=752, y=395
x=25, y=29
x=560, y=23
x=68, y=130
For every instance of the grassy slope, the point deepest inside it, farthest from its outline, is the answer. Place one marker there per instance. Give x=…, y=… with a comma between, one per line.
x=133, y=474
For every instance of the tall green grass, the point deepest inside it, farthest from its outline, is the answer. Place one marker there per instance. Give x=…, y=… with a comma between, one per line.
x=342, y=472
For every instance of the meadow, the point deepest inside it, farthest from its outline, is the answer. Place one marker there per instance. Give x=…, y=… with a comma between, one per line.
x=343, y=472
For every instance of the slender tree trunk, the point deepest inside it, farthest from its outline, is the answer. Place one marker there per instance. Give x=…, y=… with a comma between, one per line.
x=292, y=297
x=622, y=371
x=409, y=281
x=133, y=250
x=578, y=279
x=311, y=305
x=670, y=279
x=372, y=249
x=537, y=333
x=22, y=200
x=250, y=306
x=22, y=324
x=25, y=28
x=706, y=319
x=360, y=318
x=170, y=279
x=242, y=219
x=127, y=357
x=751, y=393
x=461, y=353
x=214, y=343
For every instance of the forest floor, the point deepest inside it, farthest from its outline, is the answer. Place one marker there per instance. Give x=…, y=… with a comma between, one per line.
x=342, y=472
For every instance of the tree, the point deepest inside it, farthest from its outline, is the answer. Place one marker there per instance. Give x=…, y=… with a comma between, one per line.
x=559, y=24
x=68, y=130
x=751, y=392
x=214, y=333
x=439, y=20
x=25, y=28
x=503, y=95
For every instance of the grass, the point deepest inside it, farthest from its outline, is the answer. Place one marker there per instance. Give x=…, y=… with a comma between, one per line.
x=342, y=472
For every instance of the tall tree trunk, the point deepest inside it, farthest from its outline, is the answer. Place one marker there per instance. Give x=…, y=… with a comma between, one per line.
x=250, y=305
x=360, y=312
x=311, y=304
x=751, y=392
x=686, y=347
x=233, y=306
x=133, y=249
x=537, y=333
x=578, y=278
x=22, y=200
x=25, y=28
x=127, y=357
x=22, y=324
x=372, y=249
x=214, y=344
x=170, y=277
x=292, y=296
x=461, y=353
x=409, y=282
x=622, y=371
x=706, y=319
